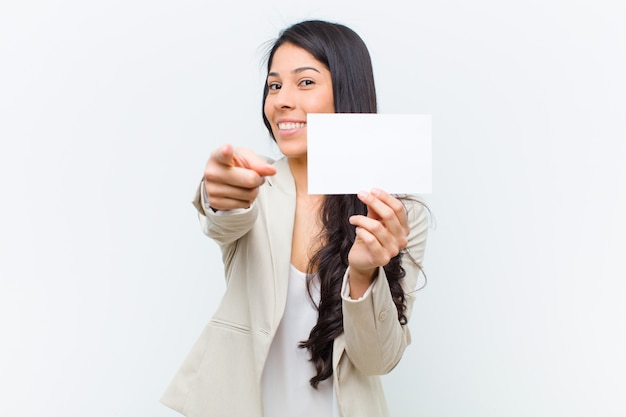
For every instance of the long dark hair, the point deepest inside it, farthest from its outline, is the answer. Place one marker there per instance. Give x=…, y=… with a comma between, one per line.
x=346, y=56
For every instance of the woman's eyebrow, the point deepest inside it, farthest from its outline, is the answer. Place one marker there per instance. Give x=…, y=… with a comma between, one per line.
x=296, y=71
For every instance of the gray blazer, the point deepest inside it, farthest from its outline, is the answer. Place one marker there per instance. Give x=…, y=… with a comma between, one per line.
x=221, y=376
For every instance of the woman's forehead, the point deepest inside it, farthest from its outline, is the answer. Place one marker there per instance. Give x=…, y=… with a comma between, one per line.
x=289, y=57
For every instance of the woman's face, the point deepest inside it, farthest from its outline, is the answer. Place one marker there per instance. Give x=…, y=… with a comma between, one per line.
x=298, y=84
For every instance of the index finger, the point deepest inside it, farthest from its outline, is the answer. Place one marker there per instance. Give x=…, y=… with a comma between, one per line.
x=391, y=201
x=225, y=155
x=228, y=156
x=245, y=158
x=387, y=209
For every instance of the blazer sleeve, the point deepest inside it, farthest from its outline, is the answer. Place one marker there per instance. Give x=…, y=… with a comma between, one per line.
x=375, y=339
x=224, y=229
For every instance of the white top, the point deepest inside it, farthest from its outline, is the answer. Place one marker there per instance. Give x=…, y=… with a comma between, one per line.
x=285, y=385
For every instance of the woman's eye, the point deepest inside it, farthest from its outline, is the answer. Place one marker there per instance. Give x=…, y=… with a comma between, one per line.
x=306, y=83
x=274, y=86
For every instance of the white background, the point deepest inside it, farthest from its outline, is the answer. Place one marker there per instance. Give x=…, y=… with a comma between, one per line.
x=109, y=109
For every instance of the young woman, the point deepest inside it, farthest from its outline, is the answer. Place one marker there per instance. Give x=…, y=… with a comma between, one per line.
x=319, y=288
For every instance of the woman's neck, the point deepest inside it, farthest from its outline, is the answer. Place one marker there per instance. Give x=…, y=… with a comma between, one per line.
x=307, y=224
x=299, y=171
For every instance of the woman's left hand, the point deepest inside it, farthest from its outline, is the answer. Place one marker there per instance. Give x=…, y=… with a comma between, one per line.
x=380, y=235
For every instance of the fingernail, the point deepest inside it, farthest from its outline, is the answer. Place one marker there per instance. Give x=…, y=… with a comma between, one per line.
x=376, y=191
x=363, y=194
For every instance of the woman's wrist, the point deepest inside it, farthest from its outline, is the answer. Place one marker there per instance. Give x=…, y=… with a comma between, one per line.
x=360, y=280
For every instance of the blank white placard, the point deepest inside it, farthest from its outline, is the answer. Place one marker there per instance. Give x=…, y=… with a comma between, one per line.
x=350, y=152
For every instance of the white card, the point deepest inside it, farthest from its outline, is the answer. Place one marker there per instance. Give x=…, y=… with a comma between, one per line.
x=352, y=152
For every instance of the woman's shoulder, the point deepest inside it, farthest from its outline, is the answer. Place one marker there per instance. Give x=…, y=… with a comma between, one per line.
x=417, y=211
x=412, y=202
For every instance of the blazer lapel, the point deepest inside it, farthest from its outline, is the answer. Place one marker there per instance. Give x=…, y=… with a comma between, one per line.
x=281, y=208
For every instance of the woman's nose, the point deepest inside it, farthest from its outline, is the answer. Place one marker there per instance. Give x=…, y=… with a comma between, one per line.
x=284, y=99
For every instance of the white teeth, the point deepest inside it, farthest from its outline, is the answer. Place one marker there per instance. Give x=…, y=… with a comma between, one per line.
x=290, y=125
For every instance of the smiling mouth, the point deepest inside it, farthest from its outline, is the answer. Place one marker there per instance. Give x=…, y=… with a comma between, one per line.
x=290, y=126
